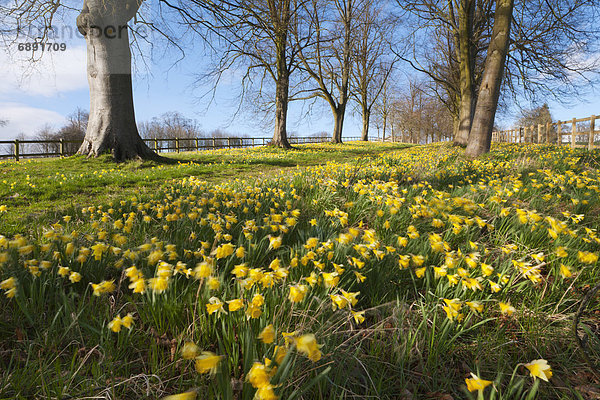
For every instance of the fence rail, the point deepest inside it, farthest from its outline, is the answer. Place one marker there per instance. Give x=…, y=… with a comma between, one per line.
x=62, y=148
x=577, y=132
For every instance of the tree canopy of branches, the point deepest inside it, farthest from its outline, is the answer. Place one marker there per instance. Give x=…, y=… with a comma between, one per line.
x=258, y=37
x=552, y=50
x=328, y=61
x=373, y=63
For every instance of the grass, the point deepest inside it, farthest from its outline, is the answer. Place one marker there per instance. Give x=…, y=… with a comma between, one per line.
x=45, y=189
x=382, y=269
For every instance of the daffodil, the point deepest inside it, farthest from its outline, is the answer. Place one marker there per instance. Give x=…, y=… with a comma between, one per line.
x=207, y=362
x=359, y=316
x=297, y=293
x=190, y=351
x=267, y=335
x=215, y=305
x=235, y=304
x=115, y=324
x=506, y=308
x=181, y=396
x=258, y=376
x=307, y=345
x=476, y=383
x=539, y=369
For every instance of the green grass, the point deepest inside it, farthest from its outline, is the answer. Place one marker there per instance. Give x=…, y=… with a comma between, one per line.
x=513, y=210
x=44, y=189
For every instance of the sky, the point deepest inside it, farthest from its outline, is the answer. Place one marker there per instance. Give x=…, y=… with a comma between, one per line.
x=34, y=94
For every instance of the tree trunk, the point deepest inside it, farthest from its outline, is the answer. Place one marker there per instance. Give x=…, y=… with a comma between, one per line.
x=111, y=125
x=465, y=112
x=366, y=116
x=483, y=123
x=282, y=89
x=338, y=115
x=281, y=108
x=455, y=124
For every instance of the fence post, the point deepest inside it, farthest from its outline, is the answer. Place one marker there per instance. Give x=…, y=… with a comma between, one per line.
x=197, y=145
x=252, y=142
x=177, y=144
x=559, y=132
x=592, y=132
x=573, y=133
x=229, y=142
x=540, y=133
x=62, y=147
x=548, y=132
x=16, y=153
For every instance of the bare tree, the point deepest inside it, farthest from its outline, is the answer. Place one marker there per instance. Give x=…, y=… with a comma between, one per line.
x=449, y=43
x=259, y=37
x=537, y=116
x=328, y=61
x=172, y=126
x=415, y=115
x=480, y=138
x=383, y=109
x=46, y=134
x=372, y=64
x=112, y=120
x=72, y=134
x=548, y=36
x=106, y=25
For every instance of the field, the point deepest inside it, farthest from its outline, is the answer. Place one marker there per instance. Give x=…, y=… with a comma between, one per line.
x=353, y=271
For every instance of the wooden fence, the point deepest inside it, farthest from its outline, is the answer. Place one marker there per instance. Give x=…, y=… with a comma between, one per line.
x=578, y=132
x=61, y=148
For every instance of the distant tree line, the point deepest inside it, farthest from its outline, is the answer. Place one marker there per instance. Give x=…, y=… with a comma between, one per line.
x=167, y=128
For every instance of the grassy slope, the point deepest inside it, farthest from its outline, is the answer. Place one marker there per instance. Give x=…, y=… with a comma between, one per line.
x=58, y=345
x=39, y=191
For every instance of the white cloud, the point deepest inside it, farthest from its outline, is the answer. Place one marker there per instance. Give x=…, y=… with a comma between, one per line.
x=24, y=119
x=54, y=73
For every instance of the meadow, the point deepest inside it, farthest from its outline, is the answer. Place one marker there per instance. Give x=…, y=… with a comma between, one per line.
x=353, y=271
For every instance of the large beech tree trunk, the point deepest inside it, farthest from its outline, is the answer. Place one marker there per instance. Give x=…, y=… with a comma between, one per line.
x=111, y=125
x=480, y=138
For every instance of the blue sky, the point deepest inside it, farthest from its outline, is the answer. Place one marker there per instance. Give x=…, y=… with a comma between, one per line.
x=45, y=92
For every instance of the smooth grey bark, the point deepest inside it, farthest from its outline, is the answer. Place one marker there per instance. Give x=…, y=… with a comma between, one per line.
x=480, y=138
x=111, y=126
